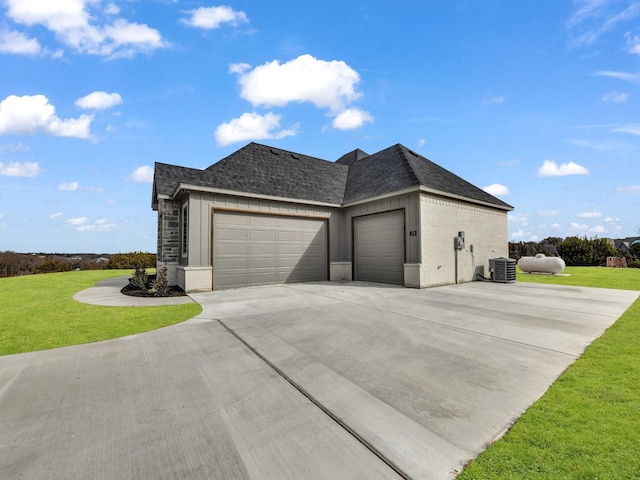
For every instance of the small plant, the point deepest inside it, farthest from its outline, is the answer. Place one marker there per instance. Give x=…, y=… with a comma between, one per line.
x=139, y=278
x=159, y=286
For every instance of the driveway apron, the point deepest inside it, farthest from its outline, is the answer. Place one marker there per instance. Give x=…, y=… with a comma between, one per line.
x=321, y=380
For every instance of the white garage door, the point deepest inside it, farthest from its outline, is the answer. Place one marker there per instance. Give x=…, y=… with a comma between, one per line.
x=379, y=248
x=255, y=249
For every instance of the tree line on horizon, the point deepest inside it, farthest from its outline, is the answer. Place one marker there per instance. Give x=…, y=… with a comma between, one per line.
x=576, y=251
x=14, y=264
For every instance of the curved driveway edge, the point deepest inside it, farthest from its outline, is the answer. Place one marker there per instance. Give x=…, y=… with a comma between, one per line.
x=107, y=293
x=314, y=381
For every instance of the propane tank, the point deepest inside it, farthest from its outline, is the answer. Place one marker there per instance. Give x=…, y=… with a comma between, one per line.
x=541, y=264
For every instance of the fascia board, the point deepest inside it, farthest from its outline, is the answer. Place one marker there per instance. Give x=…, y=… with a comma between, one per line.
x=197, y=188
x=464, y=199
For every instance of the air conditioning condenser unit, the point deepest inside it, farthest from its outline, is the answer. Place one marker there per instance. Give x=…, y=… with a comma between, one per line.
x=502, y=269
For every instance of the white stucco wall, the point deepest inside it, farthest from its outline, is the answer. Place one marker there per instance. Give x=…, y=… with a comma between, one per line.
x=441, y=218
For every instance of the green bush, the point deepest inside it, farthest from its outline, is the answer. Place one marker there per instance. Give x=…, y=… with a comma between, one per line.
x=139, y=278
x=586, y=252
x=160, y=286
x=132, y=260
x=53, y=266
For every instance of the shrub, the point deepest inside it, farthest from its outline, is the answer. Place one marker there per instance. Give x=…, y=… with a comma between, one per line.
x=132, y=260
x=53, y=266
x=159, y=286
x=139, y=278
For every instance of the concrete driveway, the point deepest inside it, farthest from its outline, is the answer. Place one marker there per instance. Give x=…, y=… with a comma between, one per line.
x=322, y=380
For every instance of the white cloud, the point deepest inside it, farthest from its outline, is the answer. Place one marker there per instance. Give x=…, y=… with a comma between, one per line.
x=351, y=118
x=13, y=147
x=521, y=235
x=593, y=18
x=497, y=189
x=325, y=84
x=518, y=234
x=600, y=146
x=111, y=9
x=28, y=115
x=99, y=226
x=614, y=97
x=590, y=215
x=239, y=67
x=634, y=44
x=551, y=169
x=68, y=187
x=549, y=213
x=579, y=226
x=627, y=77
x=632, y=189
x=521, y=218
x=421, y=142
x=632, y=128
x=142, y=174
x=611, y=219
x=99, y=100
x=213, y=17
x=77, y=221
x=18, y=43
x=76, y=23
x=555, y=226
x=250, y=126
x=53, y=216
x=493, y=100
x=597, y=229
x=15, y=169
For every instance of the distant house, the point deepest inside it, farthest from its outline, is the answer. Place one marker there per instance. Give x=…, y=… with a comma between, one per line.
x=264, y=215
x=625, y=244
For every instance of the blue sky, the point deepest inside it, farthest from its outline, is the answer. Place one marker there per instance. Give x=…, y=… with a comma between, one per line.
x=537, y=102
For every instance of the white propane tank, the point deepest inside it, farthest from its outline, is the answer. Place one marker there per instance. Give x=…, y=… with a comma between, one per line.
x=541, y=264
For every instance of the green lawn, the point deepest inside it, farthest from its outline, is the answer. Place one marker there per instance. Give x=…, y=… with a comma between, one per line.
x=38, y=312
x=587, y=425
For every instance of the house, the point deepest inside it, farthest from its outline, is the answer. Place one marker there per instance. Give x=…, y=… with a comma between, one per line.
x=625, y=244
x=264, y=215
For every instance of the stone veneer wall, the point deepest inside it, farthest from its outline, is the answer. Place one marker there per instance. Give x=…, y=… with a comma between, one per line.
x=168, y=237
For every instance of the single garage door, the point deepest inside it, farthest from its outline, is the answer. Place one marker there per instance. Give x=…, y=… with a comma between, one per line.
x=255, y=249
x=379, y=248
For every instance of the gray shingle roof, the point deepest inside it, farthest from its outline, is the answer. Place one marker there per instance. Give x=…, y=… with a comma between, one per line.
x=271, y=171
x=264, y=170
x=396, y=168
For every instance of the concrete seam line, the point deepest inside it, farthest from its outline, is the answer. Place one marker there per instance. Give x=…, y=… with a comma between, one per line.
x=445, y=325
x=310, y=397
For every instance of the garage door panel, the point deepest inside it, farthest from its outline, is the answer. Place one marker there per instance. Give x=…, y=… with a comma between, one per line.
x=261, y=278
x=264, y=221
x=289, y=236
x=232, y=263
x=379, y=248
x=260, y=248
x=261, y=235
x=233, y=234
x=263, y=249
x=262, y=262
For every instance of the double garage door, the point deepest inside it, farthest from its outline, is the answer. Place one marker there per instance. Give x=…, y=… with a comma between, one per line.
x=255, y=249
x=379, y=247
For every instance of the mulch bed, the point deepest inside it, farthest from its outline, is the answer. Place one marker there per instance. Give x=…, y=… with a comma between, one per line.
x=133, y=291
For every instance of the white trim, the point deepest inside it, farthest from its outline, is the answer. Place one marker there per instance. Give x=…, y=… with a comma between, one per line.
x=463, y=198
x=186, y=186
x=416, y=188
x=381, y=197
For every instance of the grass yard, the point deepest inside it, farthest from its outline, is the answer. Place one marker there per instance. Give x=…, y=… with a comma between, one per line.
x=587, y=425
x=38, y=312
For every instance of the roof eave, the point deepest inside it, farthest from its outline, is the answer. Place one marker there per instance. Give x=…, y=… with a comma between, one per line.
x=423, y=189
x=440, y=193
x=186, y=186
